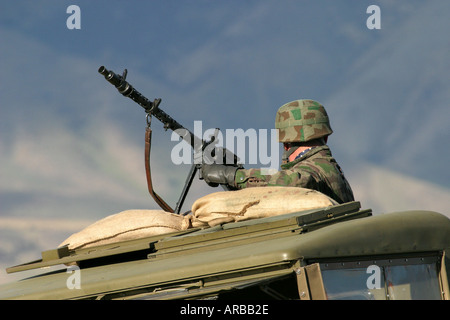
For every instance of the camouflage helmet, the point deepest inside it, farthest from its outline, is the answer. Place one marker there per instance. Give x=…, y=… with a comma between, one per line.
x=302, y=120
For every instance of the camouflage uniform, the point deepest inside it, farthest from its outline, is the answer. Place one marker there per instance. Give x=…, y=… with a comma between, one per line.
x=301, y=121
x=317, y=170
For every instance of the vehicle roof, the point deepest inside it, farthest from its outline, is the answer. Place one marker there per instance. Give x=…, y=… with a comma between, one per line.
x=235, y=254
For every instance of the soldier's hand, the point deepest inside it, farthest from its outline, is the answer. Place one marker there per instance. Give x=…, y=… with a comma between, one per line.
x=215, y=174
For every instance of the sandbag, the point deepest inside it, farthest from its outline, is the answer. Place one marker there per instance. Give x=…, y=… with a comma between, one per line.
x=253, y=203
x=127, y=225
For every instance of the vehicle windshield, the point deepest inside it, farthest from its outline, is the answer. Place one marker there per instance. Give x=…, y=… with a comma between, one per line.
x=383, y=280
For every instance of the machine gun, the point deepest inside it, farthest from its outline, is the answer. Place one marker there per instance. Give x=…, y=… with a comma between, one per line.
x=152, y=109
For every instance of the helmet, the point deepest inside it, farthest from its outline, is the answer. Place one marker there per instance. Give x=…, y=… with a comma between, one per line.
x=301, y=121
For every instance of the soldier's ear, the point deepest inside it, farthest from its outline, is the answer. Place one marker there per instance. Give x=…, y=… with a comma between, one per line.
x=286, y=146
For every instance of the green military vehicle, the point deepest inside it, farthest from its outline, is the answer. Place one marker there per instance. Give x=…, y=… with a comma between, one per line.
x=333, y=251
x=338, y=252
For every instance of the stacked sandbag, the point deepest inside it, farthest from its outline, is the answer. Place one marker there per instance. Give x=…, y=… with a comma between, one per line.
x=253, y=203
x=208, y=211
x=127, y=225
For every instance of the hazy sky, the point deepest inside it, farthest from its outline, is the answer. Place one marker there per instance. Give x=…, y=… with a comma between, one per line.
x=69, y=142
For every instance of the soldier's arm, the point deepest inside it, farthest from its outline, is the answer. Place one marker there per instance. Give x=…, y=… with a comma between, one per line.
x=246, y=178
x=235, y=178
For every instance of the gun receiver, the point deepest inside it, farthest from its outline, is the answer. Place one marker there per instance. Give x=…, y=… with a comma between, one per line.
x=152, y=109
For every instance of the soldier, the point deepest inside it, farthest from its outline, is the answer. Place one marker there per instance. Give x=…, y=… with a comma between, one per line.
x=307, y=162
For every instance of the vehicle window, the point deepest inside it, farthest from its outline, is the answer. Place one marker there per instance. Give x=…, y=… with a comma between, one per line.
x=386, y=280
x=350, y=284
x=413, y=282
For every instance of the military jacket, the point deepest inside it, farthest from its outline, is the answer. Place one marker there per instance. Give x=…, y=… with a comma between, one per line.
x=316, y=169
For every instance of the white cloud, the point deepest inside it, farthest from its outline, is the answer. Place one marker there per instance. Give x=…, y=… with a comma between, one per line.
x=385, y=191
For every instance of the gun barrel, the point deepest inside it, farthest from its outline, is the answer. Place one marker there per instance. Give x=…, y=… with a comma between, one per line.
x=112, y=78
x=151, y=107
x=119, y=82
